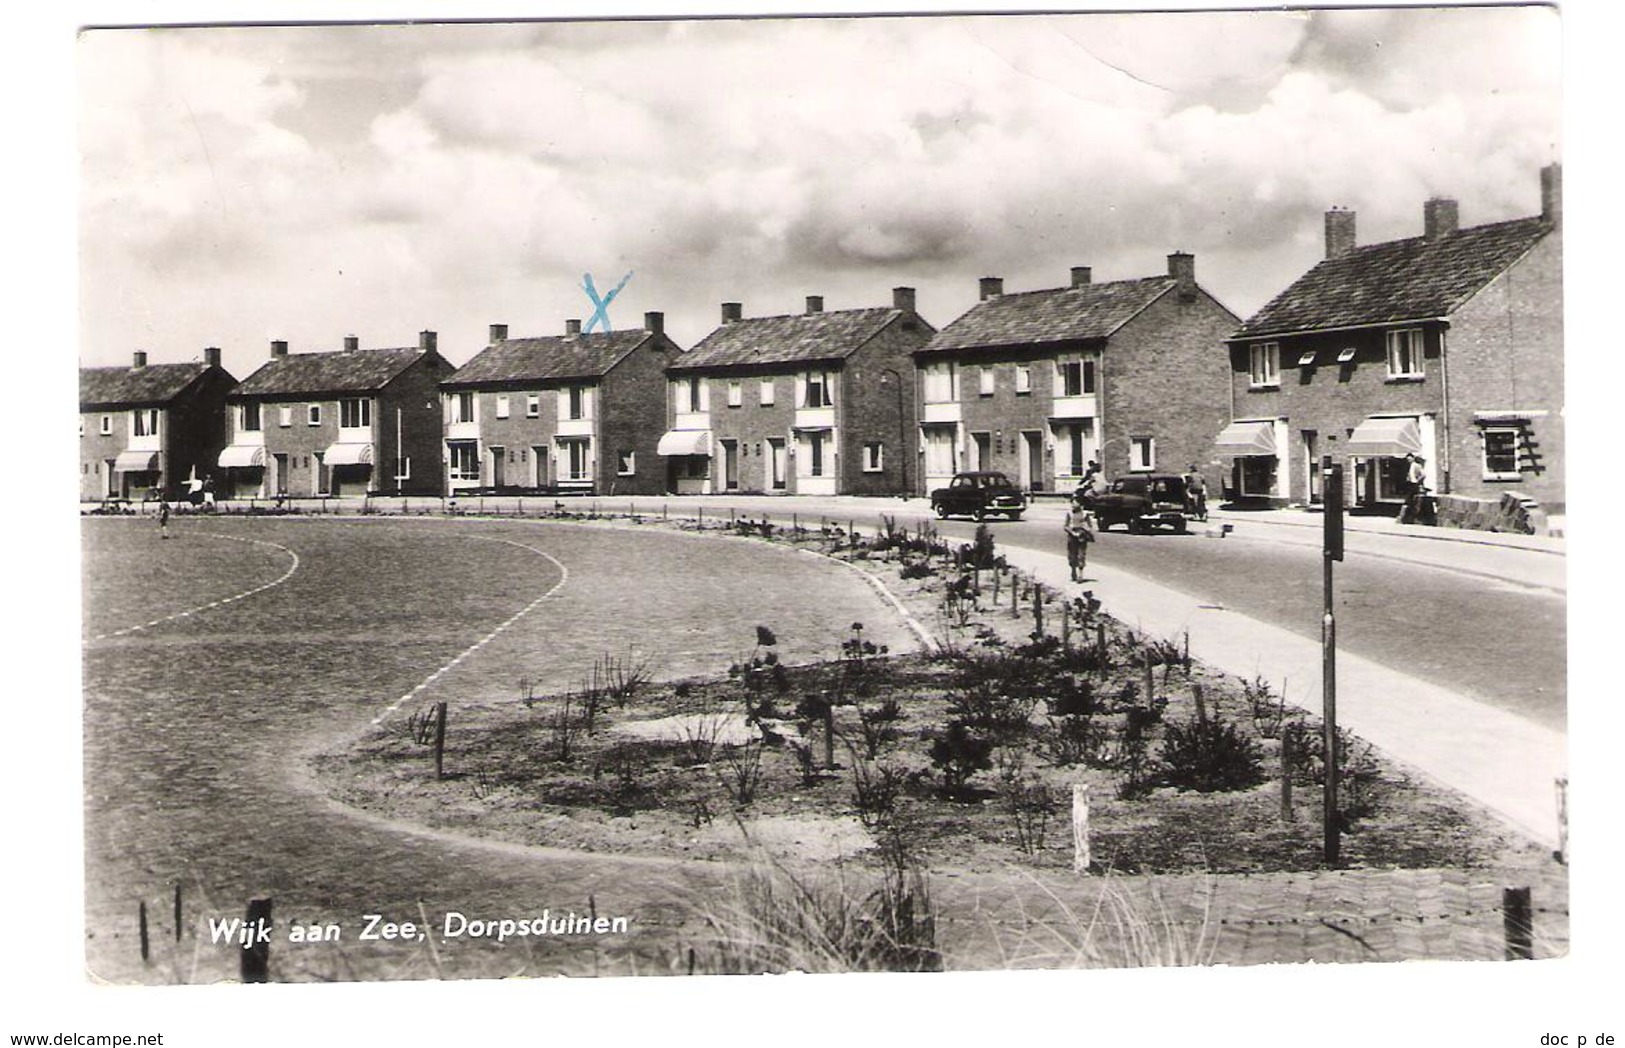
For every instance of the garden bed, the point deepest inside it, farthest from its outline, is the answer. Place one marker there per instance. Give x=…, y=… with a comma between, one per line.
x=961, y=757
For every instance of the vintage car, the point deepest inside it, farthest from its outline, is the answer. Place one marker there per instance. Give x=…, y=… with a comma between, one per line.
x=1142, y=501
x=979, y=494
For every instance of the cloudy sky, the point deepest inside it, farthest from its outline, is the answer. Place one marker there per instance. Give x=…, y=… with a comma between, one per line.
x=305, y=183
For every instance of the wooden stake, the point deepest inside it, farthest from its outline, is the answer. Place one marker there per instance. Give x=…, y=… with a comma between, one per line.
x=1286, y=777
x=1038, y=610
x=1150, y=677
x=439, y=740
x=141, y=919
x=1519, y=924
x=1100, y=647
x=1201, y=703
x=1080, y=828
x=177, y=911
x=256, y=966
x=829, y=732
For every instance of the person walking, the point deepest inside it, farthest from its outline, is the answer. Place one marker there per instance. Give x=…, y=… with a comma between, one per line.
x=1079, y=526
x=163, y=518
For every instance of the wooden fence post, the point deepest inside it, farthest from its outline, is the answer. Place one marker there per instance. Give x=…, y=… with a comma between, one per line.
x=1038, y=609
x=1150, y=676
x=439, y=740
x=829, y=731
x=177, y=911
x=1518, y=923
x=256, y=966
x=1100, y=647
x=1080, y=828
x=141, y=921
x=1201, y=703
x=1286, y=777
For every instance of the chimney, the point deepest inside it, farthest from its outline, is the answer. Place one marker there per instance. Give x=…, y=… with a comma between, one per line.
x=902, y=298
x=990, y=287
x=732, y=311
x=815, y=304
x=1339, y=232
x=428, y=341
x=1081, y=275
x=1439, y=218
x=1551, y=193
x=654, y=323
x=351, y=343
x=499, y=333
x=279, y=348
x=572, y=327
x=1182, y=267
x=140, y=359
x=211, y=357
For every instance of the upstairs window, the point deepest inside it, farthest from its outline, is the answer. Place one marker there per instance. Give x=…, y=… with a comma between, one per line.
x=1142, y=453
x=985, y=388
x=504, y=405
x=689, y=394
x=462, y=406
x=766, y=392
x=248, y=417
x=284, y=416
x=819, y=394
x=144, y=422
x=1405, y=353
x=577, y=406
x=938, y=383
x=355, y=413
x=736, y=393
x=533, y=405
x=313, y=414
x=107, y=425
x=1501, y=453
x=1024, y=379
x=1074, y=378
x=1264, y=365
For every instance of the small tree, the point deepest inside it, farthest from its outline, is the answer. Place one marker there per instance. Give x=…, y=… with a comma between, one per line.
x=958, y=754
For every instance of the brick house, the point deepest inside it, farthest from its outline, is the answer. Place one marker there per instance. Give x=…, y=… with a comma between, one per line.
x=1037, y=384
x=573, y=412
x=813, y=403
x=1448, y=345
x=150, y=425
x=344, y=422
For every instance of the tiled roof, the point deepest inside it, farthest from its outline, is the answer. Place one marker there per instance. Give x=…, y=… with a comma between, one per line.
x=1398, y=280
x=1092, y=311
x=552, y=358
x=340, y=371
x=134, y=387
x=797, y=338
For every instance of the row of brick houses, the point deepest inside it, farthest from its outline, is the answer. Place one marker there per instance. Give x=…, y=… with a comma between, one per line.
x=1448, y=345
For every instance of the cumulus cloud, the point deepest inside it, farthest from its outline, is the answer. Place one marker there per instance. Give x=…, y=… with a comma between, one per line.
x=316, y=180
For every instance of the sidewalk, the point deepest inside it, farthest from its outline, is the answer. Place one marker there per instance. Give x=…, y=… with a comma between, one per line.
x=1502, y=761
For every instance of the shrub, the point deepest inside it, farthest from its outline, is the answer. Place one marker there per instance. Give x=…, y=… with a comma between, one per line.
x=981, y=549
x=1210, y=756
x=1359, y=773
x=744, y=771
x=958, y=754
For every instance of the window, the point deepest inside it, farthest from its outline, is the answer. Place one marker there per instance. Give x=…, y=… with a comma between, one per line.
x=533, y=405
x=1024, y=379
x=284, y=416
x=1069, y=378
x=1142, y=453
x=504, y=405
x=690, y=394
x=462, y=406
x=766, y=392
x=355, y=413
x=626, y=463
x=248, y=418
x=1264, y=365
x=464, y=460
x=874, y=457
x=578, y=462
x=986, y=382
x=736, y=393
x=1405, y=353
x=938, y=383
x=313, y=414
x=144, y=422
x=819, y=394
x=815, y=453
x=1346, y=354
x=107, y=425
x=1306, y=358
x=1501, y=453
x=577, y=402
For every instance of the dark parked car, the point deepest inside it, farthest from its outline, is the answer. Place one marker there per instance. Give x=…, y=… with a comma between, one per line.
x=1143, y=501
x=979, y=494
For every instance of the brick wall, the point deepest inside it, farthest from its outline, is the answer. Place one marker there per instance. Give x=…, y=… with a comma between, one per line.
x=1164, y=374
x=96, y=450
x=632, y=417
x=751, y=424
x=1506, y=354
x=196, y=432
x=869, y=410
x=416, y=392
x=518, y=435
x=1006, y=415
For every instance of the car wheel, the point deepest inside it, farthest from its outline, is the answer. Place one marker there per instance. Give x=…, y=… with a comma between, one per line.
x=1180, y=527
x=979, y=514
x=1015, y=516
x=942, y=511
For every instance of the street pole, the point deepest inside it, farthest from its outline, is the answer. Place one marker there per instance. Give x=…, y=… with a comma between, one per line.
x=1332, y=550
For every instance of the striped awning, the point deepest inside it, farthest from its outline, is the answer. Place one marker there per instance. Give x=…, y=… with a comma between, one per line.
x=1247, y=438
x=242, y=455
x=1385, y=438
x=685, y=442
x=136, y=462
x=348, y=455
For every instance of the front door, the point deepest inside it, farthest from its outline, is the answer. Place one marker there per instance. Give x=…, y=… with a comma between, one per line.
x=730, y=465
x=538, y=455
x=982, y=443
x=499, y=473
x=1032, y=461
x=776, y=448
x=1311, y=465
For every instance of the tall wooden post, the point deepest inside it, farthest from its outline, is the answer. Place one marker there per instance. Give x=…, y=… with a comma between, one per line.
x=439, y=740
x=1100, y=647
x=1038, y=609
x=1286, y=777
x=1332, y=550
x=1080, y=828
x=141, y=920
x=177, y=911
x=1150, y=677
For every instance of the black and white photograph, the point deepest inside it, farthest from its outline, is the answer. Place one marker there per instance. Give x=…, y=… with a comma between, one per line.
x=646, y=496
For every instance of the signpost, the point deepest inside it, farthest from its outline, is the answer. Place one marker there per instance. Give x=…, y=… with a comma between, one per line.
x=1331, y=550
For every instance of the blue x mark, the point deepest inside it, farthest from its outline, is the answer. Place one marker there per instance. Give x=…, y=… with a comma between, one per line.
x=600, y=305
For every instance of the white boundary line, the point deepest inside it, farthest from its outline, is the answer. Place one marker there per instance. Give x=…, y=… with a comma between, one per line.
x=564, y=577
x=223, y=600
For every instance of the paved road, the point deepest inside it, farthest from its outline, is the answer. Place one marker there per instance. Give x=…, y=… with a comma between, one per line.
x=196, y=726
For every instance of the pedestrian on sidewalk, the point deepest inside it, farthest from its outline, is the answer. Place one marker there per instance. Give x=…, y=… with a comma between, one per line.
x=1415, y=476
x=1079, y=526
x=163, y=518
